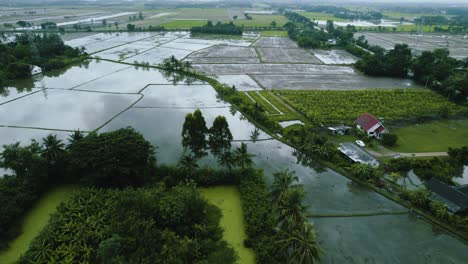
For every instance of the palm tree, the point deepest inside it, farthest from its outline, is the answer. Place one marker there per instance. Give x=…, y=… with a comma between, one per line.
x=301, y=245
x=226, y=160
x=291, y=211
x=188, y=162
x=53, y=148
x=242, y=157
x=74, y=137
x=281, y=184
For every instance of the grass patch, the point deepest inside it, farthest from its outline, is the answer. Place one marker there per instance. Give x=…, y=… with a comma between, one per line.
x=227, y=198
x=261, y=21
x=331, y=106
x=34, y=221
x=268, y=107
x=435, y=136
x=185, y=24
x=288, y=114
x=274, y=33
x=321, y=16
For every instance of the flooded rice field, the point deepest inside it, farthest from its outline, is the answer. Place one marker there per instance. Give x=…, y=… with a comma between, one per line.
x=456, y=44
x=103, y=96
x=250, y=62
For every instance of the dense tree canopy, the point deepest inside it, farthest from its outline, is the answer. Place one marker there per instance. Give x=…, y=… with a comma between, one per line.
x=46, y=50
x=119, y=158
x=218, y=28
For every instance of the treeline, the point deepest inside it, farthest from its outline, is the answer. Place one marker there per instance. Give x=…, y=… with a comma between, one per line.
x=432, y=69
x=309, y=35
x=341, y=12
x=218, y=28
x=47, y=51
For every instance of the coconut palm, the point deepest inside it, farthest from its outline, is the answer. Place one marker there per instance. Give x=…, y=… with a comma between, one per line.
x=301, y=245
x=242, y=157
x=53, y=148
x=189, y=163
x=226, y=160
x=291, y=212
x=283, y=180
x=74, y=137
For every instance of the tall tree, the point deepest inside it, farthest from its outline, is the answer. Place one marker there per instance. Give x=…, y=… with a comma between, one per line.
x=220, y=136
x=194, y=133
x=242, y=157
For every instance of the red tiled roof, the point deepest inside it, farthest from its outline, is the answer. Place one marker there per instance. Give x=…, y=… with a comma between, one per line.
x=367, y=121
x=380, y=129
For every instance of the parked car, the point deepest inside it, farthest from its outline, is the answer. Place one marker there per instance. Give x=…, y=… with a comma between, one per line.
x=360, y=143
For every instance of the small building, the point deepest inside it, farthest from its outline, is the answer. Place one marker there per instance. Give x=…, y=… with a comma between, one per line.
x=357, y=154
x=35, y=70
x=371, y=125
x=455, y=200
x=340, y=130
x=331, y=41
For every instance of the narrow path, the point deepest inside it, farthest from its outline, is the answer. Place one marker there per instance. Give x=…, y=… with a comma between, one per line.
x=407, y=155
x=272, y=105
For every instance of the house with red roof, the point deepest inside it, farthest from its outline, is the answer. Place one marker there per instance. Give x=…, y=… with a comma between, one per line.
x=371, y=125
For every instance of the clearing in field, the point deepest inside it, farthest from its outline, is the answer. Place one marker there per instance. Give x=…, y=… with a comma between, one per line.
x=321, y=16
x=227, y=198
x=34, y=221
x=331, y=106
x=262, y=21
x=435, y=136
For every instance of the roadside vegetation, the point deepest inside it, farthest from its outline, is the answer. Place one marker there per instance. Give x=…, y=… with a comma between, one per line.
x=393, y=104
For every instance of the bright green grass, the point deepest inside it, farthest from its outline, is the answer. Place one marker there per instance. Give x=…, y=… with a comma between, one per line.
x=274, y=33
x=268, y=107
x=227, y=198
x=288, y=114
x=436, y=136
x=321, y=16
x=34, y=221
x=261, y=21
x=185, y=24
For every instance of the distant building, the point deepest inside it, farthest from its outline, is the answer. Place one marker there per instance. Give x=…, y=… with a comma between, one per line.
x=35, y=70
x=331, y=41
x=455, y=200
x=371, y=125
x=340, y=130
x=357, y=154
